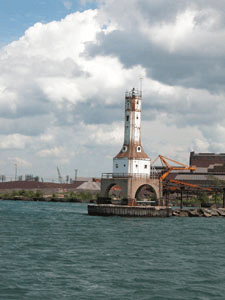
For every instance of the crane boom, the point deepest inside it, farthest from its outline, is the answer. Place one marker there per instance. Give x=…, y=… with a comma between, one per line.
x=189, y=184
x=59, y=175
x=169, y=168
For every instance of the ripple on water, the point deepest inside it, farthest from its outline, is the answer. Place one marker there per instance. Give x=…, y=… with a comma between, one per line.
x=56, y=251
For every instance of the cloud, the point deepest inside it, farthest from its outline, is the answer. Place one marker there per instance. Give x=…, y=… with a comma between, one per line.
x=62, y=83
x=13, y=141
x=20, y=161
x=51, y=152
x=67, y=4
x=179, y=43
x=105, y=134
x=192, y=32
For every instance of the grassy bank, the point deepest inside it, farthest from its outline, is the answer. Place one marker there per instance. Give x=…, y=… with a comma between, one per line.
x=70, y=196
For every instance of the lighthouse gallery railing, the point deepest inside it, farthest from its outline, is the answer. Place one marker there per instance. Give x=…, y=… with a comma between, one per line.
x=129, y=175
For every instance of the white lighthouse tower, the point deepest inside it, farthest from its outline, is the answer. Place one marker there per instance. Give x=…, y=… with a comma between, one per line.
x=132, y=159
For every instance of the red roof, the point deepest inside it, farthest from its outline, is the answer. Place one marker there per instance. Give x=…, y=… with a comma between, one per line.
x=132, y=152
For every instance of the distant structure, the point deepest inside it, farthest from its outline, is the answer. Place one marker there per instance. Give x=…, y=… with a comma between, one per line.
x=208, y=160
x=59, y=175
x=131, y=166
x=207, y=165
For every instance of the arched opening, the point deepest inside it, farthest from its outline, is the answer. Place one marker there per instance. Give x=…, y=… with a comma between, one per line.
x=146, y=194
x=114, y=191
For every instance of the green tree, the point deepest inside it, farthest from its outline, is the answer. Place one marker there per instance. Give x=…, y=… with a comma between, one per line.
x=5, y=196
x=217, y=186
x=30, y=194
x=54, y=196
x=13, y=193
x=39, y=194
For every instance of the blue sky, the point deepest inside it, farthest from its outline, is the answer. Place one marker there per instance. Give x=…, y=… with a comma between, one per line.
x=65, y=66
x=18, y=15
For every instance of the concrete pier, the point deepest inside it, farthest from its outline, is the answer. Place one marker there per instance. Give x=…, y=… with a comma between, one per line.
x=129, y=211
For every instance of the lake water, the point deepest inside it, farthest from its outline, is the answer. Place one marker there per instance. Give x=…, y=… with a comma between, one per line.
x=56, y=251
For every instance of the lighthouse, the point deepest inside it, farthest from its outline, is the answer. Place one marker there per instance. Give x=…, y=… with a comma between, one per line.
x=132, y=159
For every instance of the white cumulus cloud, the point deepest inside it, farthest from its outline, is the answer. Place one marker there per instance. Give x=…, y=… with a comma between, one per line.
x=62, y=84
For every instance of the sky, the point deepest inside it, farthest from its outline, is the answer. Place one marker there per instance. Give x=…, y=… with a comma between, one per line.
x=66, y=65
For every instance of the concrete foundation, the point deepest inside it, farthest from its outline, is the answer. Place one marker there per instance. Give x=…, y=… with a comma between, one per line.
x=129, y=211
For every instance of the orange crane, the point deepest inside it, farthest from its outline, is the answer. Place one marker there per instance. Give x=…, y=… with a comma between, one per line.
x=189, y=184
x=169, y=167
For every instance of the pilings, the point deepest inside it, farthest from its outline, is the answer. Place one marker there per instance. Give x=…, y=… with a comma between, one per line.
x=129, y=211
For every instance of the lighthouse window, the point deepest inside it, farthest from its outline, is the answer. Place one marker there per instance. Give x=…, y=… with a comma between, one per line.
x=127, y=118
x=138, y=149
x=116, y=166
x=124, y=149
x=124, y=165
x=145, y=166
x=137, y=118
x=136, y=166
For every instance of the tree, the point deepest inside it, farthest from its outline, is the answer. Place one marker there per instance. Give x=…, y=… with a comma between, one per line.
x=39, y=194
x=217, y=185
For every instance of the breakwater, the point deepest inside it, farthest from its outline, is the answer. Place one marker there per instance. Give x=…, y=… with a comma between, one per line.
x=152, y=211
x=129, y=211
x=199, y=212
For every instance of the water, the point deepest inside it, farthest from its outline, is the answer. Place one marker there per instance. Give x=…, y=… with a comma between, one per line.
x=56, y=251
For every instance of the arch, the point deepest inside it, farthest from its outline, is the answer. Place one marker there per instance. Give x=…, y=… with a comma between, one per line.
x=108, y=188
x=150, y=189
x=107, y=184
x=130, y=186
x=116, y=193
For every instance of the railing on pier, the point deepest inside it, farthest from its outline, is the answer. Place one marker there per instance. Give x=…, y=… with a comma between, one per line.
x=129, y=175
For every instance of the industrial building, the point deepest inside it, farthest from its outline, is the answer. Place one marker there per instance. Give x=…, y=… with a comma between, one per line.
x=208, y=166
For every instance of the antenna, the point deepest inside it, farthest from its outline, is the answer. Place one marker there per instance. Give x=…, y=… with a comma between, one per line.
x=141, y=86
x=15, y=171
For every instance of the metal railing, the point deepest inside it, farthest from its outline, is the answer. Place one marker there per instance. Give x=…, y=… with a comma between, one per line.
x=129, y=175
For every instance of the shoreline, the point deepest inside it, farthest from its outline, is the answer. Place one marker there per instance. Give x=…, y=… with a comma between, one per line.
x=199, y=212
x=52, y=200
x=185, y=212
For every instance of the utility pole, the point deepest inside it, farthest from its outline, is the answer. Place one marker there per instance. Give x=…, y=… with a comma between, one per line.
x=223, y=197
x=15, y=171
x=76, y=171
x=181, y=197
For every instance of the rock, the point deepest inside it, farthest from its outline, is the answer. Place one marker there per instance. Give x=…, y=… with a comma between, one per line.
x=176, y=213
x=184, y=213
x=214, y=212
x=203, y=210
x=194, y=213
x=210, y=212
x=207, y=214
x=199, y=212
x=180, y=213
x=221, y=211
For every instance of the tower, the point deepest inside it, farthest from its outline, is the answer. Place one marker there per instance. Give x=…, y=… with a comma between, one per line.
x=132, y=159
